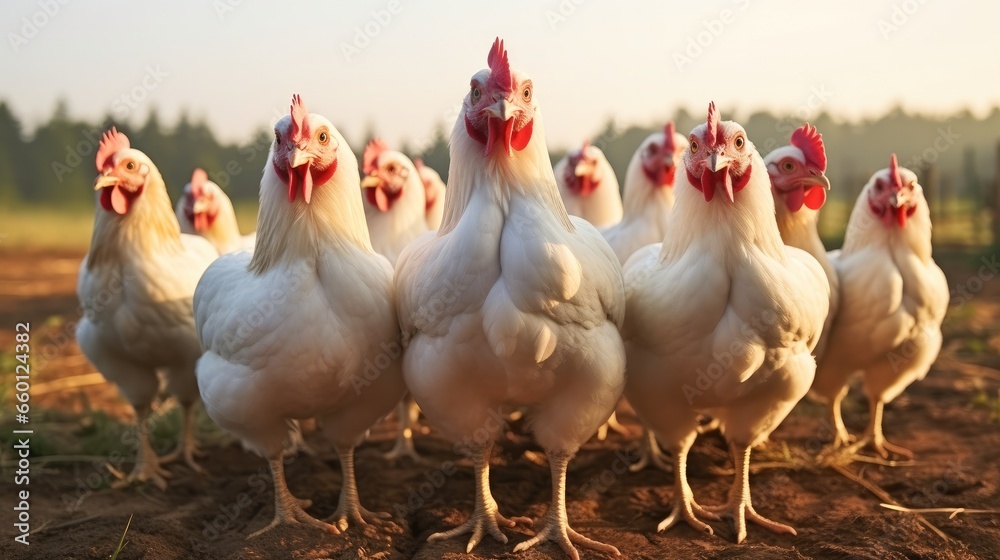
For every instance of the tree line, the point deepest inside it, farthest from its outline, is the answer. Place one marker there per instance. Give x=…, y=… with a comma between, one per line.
x=53, y=164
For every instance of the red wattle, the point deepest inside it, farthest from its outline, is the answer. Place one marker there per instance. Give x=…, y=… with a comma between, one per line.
x=815, y=197
x=901, y=214
x=667, y=176
x=118, y=200
x=794, y=199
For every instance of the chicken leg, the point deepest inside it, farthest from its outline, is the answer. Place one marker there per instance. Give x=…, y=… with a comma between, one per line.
x=147, y=465
x=555, y=525
x=614, y=425
x=873, y=434
x=684, y=505
x=739, y=506
x=187, y=445
x=349, y=506
x=288, y=508
x=486, y=516
x=408, y=413
x=650, y=454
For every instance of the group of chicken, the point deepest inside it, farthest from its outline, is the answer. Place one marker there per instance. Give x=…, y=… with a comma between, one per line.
x=706, y=295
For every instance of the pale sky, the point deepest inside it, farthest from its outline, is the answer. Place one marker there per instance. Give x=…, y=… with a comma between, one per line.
x=237, y=62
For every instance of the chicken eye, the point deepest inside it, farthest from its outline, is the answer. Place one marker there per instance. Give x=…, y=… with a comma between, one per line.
x=739, y=142
x=526, y=94
x=788, y=166
x=694, y=146
x=277, y=138
x=391, y=168
x=476, y=93
x=130, y=166
x=324, y=137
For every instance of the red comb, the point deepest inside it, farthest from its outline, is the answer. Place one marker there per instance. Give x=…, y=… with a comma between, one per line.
x=299, y=114
x=372, y=151
x=111, y=143
x=807, y=139
x=668, y=137
x=198, y=179
x=713, y=123
x=500, y=77
x=894, y=172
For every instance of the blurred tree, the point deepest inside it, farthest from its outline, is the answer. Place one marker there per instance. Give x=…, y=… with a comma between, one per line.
x=12, y=151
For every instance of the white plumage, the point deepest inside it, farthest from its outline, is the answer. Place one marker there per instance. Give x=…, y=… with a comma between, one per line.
x=135, y=288
x=512, y=303
x=393, y=198
x=307, y=326
x=721, y=318
x=893, y=300
x=434, y=193
x=588, y=186
x=649, y=193
x=799, y=185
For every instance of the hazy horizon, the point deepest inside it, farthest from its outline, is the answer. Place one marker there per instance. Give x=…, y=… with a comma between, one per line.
x=235, y=63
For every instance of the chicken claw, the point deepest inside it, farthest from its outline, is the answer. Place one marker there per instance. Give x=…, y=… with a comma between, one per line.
x=739, y=508
x=187, y=446
x=287, y=508
x=650, y=454
x=349, y=506
x=554, y=526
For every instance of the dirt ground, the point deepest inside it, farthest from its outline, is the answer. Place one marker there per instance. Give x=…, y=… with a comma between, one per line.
x=951, y=420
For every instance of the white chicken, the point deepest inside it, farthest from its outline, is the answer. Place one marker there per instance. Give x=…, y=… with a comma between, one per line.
x=588, y=186
x=395, y=210
x=649, y=197
x=893, y=300
x=205, y=210
x=306, y=326
x=799, y=185
x=434, y=192
x=394, y=199
x=135, y=288
x=721, y=317
x=649, y=193
x=512, y=304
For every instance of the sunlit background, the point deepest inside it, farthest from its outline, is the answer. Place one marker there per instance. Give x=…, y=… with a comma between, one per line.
x=195, y=81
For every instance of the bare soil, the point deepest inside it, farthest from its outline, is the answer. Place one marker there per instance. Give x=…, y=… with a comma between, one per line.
x=950, y=420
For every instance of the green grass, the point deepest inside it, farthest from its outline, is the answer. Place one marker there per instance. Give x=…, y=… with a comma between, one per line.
x=122, y=542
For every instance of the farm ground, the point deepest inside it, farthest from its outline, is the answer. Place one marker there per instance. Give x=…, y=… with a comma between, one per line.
x=951, y=420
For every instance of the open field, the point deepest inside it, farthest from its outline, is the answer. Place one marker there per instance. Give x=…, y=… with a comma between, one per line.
x=951, y=420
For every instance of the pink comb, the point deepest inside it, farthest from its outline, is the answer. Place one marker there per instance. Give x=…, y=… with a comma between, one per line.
x=586, y=144
x=500, y=77
x=894, y=172
x=198, y=179
x=299, y=114
x=668, y=137
x=111, y=143
x=713, y=123
x=372, y=151
x=419, y=164
x=807, y=139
